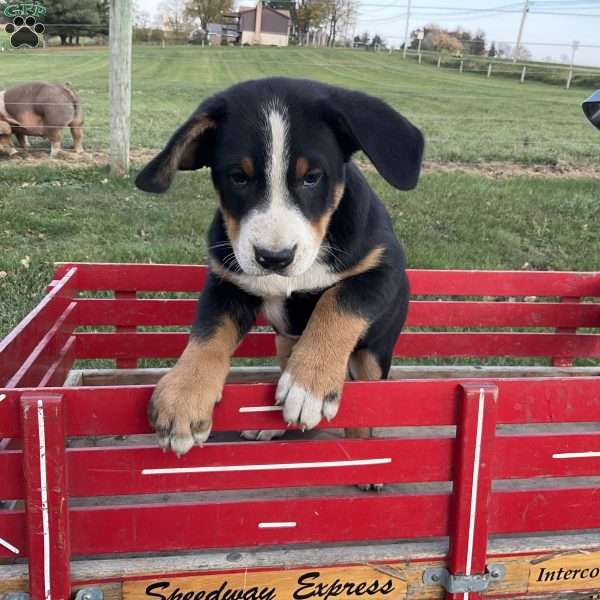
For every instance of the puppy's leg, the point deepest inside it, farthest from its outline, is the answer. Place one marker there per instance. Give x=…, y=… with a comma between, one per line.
x=182, y=404
x=311, y=385
x=363, y=366
x=284, y=346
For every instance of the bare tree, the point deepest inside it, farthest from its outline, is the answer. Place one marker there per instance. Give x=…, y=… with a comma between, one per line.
x=208, y=11
x=340, y=14
x=173, y=17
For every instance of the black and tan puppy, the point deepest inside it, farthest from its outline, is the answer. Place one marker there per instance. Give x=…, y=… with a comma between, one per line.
x=299, y=235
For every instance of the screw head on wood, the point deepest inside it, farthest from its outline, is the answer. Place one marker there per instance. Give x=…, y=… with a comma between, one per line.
x=435, y=577
x=494, y=573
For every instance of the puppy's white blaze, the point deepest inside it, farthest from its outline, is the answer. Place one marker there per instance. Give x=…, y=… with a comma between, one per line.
x=277, y=224
x=278, y=154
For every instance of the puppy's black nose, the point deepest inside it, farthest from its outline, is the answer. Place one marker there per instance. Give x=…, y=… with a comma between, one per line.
x=274, y=260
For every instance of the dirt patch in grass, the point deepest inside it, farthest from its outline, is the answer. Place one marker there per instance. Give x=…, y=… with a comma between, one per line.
x=491, y=170
x=505, y=170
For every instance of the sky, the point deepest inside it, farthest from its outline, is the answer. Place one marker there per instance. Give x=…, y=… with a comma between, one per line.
x=545, y=35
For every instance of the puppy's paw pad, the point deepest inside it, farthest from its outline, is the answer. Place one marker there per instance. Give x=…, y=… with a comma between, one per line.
x=263, y=435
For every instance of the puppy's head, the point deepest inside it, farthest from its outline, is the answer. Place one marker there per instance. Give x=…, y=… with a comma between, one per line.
x=277, y=150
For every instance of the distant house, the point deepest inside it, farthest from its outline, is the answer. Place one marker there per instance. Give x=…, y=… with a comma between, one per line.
x=265, y=26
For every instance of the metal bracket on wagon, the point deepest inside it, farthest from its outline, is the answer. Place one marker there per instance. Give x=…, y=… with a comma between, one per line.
x=91, y=593
x=457, y=584
x=17, y=596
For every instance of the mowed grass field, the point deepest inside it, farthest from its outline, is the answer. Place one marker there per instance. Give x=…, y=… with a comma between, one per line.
x=465, y=117
x=61, y=211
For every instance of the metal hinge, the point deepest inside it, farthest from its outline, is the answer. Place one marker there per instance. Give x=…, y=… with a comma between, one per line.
x=91, y=593
x=17, y=596
x=457, y=584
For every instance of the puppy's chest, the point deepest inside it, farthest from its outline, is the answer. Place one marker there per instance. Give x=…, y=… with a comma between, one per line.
x=289, y=315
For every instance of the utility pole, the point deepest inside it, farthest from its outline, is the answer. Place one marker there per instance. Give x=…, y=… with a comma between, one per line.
x=574, y=47
x=406, y=28
x=520, y=35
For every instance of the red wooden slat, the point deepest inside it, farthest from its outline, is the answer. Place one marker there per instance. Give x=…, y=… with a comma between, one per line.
x=190, y=278
x=19, y=343
x=503, y=283
x=11, y=468
x=59, y=369
x=472, y=486
x=520, y=457
x=160, y=345
x=12, y=532
x=118, y=471
x=143, y=312
x=421, y=313
x=545, y=510
x=142, y=528
x=122, y=410
x=261, y=344
x=46, y=352
x=496, y=344
x=46, y=496
x=139, y=277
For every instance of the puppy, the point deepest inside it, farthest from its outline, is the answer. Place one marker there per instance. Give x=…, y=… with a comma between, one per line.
x=298, y=235
x=43, y=110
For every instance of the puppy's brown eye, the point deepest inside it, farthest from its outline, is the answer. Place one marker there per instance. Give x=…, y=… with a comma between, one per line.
x=238, y=177
x=312, y=178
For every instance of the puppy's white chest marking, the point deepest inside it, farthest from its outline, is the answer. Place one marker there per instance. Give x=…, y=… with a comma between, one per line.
x=274, y=311
x=317, y=277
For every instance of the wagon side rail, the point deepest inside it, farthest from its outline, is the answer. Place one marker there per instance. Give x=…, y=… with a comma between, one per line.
x=48, y=535
x=454, y=314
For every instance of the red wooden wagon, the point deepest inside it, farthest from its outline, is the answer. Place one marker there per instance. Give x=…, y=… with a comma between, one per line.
x=491, y=472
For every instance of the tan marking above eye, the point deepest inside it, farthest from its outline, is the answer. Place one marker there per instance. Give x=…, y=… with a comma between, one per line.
x=232, y=225
x=248, y=166
x=302, y=167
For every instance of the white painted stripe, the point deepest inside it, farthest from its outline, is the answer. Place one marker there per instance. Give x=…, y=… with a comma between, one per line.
x=2, y=397
x=277, y=524
x=9, y=546
x=475, y=482
x=251, y=409
x=591, y=454
x=44, y=499
x=271, y=467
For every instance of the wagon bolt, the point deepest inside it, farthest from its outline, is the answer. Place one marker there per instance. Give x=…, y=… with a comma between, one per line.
x=435, y=577
x=494, y=573
x=86, y=596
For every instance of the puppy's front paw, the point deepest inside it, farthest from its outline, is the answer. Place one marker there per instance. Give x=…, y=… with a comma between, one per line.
x=181, y=411
x=303, y=404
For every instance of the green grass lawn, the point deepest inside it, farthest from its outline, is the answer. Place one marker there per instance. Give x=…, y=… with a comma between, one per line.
x=465, y=117
x=50, y=211
x=451, y=220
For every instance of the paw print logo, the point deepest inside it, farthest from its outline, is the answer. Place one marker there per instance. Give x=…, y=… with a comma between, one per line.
x=24, y=32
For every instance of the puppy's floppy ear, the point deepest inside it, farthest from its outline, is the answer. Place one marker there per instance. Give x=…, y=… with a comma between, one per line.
x=191, y=147
x=394, y=145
